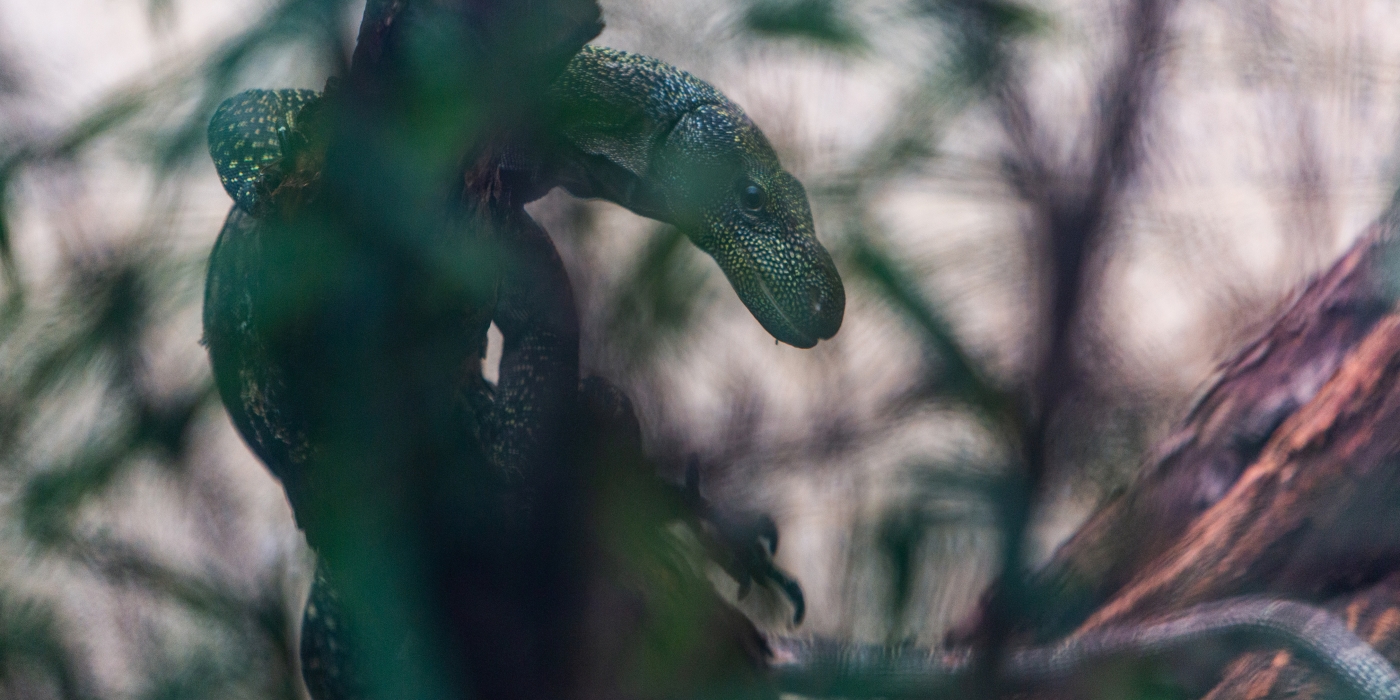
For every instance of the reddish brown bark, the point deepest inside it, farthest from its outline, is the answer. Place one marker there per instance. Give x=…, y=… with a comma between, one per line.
x=1197, y=465
x=1284, y=479
x=1315, y=515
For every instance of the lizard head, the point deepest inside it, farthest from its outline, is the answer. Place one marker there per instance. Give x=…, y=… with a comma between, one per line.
x=724, y=187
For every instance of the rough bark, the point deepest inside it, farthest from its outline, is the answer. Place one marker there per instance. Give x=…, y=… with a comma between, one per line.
x=1281, y=480
x=1227, y=429
x=1314, y=516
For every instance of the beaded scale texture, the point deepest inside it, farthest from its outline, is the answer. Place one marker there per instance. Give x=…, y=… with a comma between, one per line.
x=683, y=153
x=247, y=134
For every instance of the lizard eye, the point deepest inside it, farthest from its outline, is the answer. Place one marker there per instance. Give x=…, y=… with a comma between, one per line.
x=751, y=196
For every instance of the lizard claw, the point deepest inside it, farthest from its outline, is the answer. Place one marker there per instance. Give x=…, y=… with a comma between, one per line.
x=742, y=543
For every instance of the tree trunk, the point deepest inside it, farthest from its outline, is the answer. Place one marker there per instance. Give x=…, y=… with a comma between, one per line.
x=1280, y=481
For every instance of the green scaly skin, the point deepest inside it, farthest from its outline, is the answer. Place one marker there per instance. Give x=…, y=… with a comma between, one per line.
x=247, y=135
x=667, y=145
x=645, y=135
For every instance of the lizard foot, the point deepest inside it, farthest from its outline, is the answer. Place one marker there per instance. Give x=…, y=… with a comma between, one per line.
x=743, y=543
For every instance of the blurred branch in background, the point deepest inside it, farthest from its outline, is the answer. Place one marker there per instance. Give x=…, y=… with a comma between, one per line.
x=1074, y=213
x=1071, y=218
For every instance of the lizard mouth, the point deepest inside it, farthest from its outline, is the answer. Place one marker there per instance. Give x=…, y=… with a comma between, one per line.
x=792, y=334
x=769, y=311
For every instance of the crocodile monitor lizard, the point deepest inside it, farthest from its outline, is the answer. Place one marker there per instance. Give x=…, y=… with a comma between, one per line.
x=624, y=128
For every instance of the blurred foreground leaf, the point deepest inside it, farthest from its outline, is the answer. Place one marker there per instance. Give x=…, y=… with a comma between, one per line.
x=658, y=299
x=817, y=20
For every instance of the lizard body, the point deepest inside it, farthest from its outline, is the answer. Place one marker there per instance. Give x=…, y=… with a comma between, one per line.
x=257, y=136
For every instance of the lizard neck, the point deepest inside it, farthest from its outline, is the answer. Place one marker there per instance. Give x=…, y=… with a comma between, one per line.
x=613, y=112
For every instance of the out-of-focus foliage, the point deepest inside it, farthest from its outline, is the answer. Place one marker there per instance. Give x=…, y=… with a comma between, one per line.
x=818, y=20
x=661, y=295
x=106, y=410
